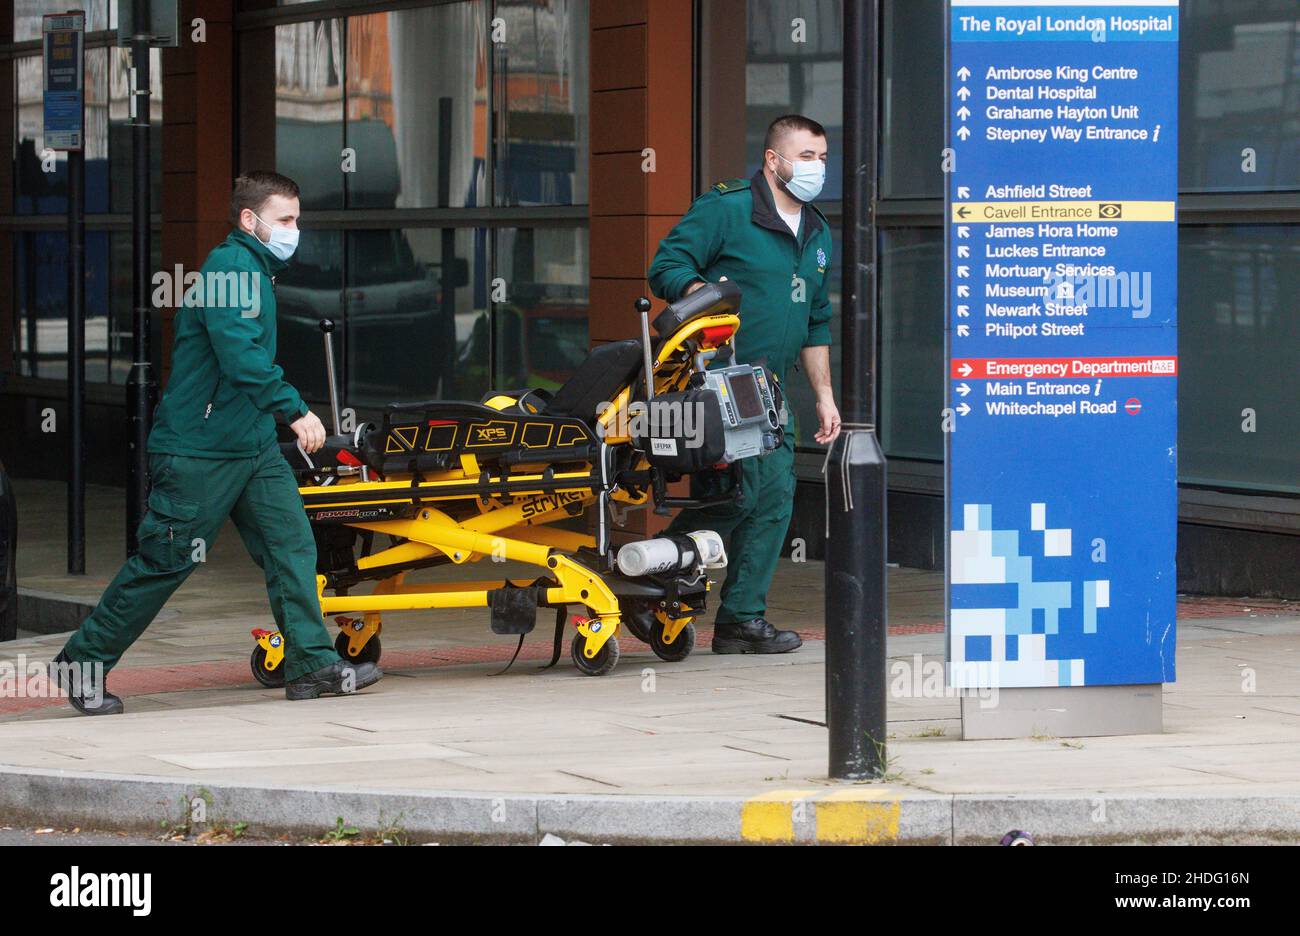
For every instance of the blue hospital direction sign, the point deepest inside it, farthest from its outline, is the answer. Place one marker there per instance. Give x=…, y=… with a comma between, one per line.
x=1061, y=336
x=63, y=43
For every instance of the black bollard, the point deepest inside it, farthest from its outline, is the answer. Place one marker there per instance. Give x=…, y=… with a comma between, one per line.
x=855, y=606
x=855, y=464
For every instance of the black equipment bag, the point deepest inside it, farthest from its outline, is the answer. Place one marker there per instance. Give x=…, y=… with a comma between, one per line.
x=681, y=433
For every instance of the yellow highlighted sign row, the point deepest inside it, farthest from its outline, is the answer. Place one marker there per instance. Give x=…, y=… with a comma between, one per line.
x=1097, y=211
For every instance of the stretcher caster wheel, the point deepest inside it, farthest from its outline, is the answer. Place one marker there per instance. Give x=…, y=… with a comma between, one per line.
x=604, y=660
x=676, y=651
x=369, y=653
x=271, y=679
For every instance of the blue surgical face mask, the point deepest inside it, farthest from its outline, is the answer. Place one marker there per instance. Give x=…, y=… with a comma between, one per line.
x=283, y=242
x=809, y=175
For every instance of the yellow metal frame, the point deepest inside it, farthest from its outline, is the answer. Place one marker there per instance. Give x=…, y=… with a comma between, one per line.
x=516, y=531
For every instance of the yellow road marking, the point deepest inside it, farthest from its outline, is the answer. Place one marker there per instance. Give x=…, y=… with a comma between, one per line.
x=769, y=817
x=858, y=815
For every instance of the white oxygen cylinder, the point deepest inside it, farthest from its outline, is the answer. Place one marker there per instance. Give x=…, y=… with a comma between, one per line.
x=666, y=554
x=708, y=545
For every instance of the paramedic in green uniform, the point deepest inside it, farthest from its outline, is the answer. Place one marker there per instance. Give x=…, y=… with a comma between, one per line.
x=767, y=237
x=213, y=454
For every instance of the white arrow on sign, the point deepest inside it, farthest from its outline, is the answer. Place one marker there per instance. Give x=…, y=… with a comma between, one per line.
x=963, y=272
x=963, y=73
x=963, y=388
x=963, y=409
x=963, y=291
x=964, y=132
x=964, y=93
x=963, y=331
x=963, y=112
x=963, y=250
x=965, y=369
x=963, y=311
x=963, y=192
x=963, y=231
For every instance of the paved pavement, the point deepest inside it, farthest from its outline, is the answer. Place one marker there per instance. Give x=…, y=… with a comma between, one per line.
x=716, y=748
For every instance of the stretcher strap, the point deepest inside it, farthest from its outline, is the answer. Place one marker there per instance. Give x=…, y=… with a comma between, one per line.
x=560, y=614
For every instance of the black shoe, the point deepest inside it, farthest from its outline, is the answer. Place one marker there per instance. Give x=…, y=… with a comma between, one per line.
x=106, y=704
x=339, y=678
x=756, y=636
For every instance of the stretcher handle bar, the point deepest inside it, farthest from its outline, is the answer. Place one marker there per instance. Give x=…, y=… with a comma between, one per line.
x=530, y=456
x=643, y=306
x=327, y=329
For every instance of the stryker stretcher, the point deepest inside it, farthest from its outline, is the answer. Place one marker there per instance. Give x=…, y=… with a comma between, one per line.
x=450, y=482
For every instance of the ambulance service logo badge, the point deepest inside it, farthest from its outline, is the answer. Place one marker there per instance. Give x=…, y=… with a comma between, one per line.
x=821, y=260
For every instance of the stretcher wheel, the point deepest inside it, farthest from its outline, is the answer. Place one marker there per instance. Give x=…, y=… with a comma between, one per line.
x=676, y=651
x=271, y=679
x=369, y=653
x=604, y=661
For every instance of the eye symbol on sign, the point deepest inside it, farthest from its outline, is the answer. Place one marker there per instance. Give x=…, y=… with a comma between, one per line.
x=1109, y=210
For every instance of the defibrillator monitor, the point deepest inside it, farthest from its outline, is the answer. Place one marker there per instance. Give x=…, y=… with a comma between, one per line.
x=745, y=395
x=751, y=406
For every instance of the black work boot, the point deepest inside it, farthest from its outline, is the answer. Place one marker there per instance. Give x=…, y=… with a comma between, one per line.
x=339, y=678
x=756, y=636
x=82, y=701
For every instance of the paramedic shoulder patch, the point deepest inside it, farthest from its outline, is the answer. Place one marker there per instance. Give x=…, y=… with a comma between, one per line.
x=731, y=185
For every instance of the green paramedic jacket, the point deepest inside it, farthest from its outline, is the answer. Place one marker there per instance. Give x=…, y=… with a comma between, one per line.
x=733, y=230
x=225, y=387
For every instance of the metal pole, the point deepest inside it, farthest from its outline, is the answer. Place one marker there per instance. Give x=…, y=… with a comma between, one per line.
x=855, y=465
x=76, y=362
x=139, y=385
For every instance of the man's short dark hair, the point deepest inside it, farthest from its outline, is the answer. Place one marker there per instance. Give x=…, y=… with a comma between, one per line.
x=252, y=189
x=782, y=127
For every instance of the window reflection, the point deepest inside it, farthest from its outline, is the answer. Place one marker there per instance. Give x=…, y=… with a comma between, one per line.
x=308, y=129
x=911, y=331
x=417, y=97
x=1239, y=84
x=541, y=102
x=1237, y=335
x=541, y=326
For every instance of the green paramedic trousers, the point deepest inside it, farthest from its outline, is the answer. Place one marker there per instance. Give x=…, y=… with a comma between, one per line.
x=754, y=530
x=189, y=501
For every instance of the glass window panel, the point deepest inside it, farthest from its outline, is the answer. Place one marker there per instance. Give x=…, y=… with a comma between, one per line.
x=1237, y=339
x=413, y=76
x=98, y=287
x=309, y=110
x=911, y=98
x=40, y=281
x=28, y=14
x=911, y=351
x=41, y=302
x=540, y=74
x=414, y=300
x=1239, y=88
x=40, y=192
x=541, y=327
